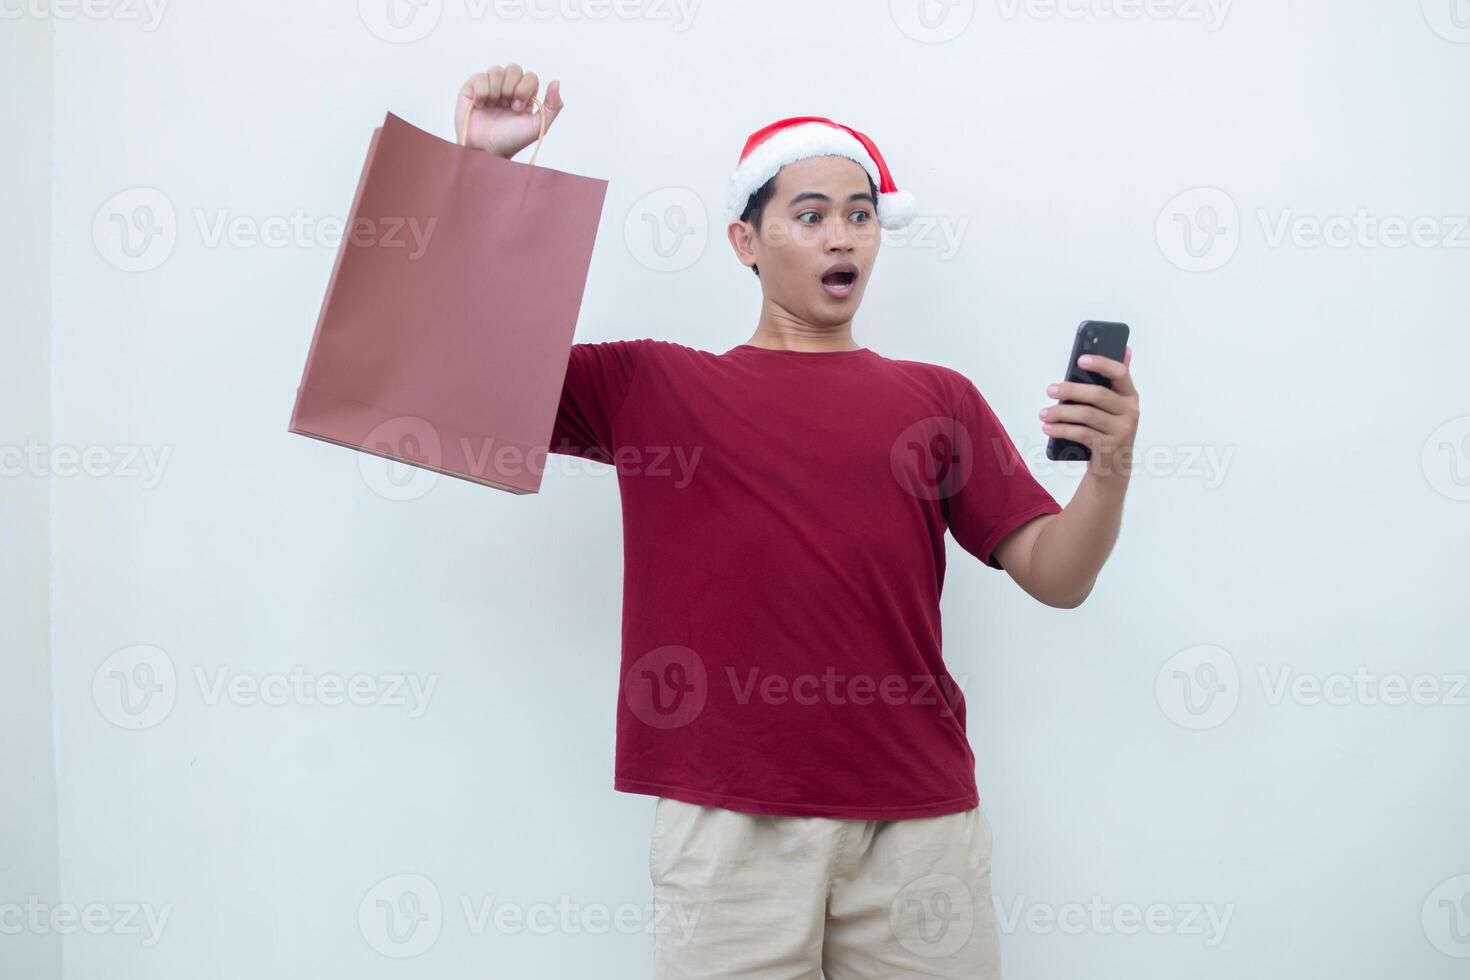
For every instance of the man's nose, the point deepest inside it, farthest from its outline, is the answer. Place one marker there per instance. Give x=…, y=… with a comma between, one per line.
x=839, y=238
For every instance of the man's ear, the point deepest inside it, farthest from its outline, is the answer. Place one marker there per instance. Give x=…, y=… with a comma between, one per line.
x=742, y=239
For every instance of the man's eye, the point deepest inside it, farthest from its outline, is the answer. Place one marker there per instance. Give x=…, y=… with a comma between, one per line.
x=803, y=214
x=860, y=212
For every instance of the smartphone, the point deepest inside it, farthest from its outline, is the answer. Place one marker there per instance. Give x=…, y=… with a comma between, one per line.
x=1093, y=337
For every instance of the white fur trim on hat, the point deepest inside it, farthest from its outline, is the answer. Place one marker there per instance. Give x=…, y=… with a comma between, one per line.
x=895, y=209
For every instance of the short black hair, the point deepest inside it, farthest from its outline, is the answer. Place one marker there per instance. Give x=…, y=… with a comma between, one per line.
x=755, y=206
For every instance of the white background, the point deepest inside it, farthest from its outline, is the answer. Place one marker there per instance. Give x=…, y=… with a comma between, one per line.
x=1300, y=513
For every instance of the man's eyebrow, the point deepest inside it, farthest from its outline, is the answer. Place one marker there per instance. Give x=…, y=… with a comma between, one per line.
x=819, y=196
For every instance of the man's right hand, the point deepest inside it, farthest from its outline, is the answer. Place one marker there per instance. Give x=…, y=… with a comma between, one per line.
x=497, y=123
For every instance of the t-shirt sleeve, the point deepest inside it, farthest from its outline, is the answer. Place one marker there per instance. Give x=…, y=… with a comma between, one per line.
x=598, y=379
x=995, y=492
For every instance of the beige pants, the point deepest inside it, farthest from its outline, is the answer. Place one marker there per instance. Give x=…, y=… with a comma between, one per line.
x=794, y=898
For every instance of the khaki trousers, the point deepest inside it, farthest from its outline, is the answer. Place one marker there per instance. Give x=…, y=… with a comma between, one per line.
x=796, y=898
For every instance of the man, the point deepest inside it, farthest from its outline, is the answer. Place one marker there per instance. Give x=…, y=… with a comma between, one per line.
x=783, y=693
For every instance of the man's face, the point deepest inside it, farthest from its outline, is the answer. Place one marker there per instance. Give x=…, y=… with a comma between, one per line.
x=821, y=220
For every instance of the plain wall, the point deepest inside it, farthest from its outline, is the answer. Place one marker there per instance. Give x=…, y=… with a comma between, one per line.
x=28, y=858
x=1300, y=511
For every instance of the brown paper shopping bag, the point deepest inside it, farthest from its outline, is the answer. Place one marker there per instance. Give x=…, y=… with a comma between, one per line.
x=447, y=323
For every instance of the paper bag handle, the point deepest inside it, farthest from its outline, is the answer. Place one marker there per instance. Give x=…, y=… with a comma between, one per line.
x=541, y=136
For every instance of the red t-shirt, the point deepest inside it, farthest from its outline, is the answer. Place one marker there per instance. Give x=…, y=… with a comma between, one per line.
x=784, y=516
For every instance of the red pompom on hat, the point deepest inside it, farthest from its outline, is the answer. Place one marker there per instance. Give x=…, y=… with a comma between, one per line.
x=788, y=140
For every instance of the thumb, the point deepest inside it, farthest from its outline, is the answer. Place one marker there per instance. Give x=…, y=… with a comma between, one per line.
x=552, y=104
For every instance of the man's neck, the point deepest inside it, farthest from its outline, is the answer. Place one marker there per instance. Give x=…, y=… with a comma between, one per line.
x=779, y=330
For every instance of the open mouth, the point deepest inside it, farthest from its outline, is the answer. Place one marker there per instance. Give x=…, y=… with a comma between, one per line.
x=839, y=281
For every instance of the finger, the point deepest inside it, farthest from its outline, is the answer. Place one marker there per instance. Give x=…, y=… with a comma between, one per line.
x=552, y=102
x=1077, y=433
x=1115, y=371
x=508, y=83
x=470, y=93
x=474, y=87
x=1089, y=394
x=494, y=79
x=1081, y=415
x=521, y=95
x=1105, y=366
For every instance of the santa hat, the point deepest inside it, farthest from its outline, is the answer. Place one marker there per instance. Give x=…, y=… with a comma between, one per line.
x=789, y=140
